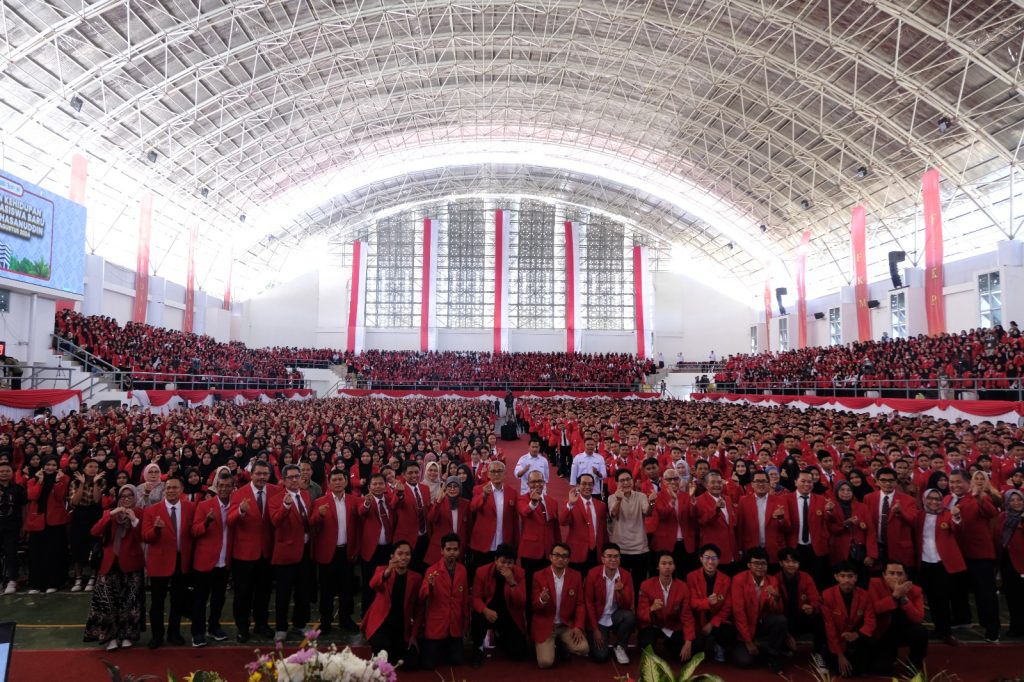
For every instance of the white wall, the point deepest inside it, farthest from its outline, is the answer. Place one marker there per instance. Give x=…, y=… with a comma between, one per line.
x=465, y=339
x=218, y=324
x=286, y=315
x=695, y=318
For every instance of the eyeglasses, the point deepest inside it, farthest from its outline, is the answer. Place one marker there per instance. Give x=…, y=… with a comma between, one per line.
x=559, y=555
x=709, y=557
x=758, y=562
x=614, y=557
x=887, y=480
x=292, y=477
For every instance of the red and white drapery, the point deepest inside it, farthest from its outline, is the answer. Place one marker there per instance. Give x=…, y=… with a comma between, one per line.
x=162, y=402
x=643, y=302
x=490, y=395
x=768, y=314
x=188, y=318
x=357, y=300
x=975, y=411
x=428, y=292
x=500, y=282
x=935, y=302
x=858, y=248
x=573, y=330
x=142, y=259
x=801, y=289
x=16, y=405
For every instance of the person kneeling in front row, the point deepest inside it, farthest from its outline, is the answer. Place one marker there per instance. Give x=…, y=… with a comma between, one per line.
x=757, y=611
x=609, y=601
x=559, y=614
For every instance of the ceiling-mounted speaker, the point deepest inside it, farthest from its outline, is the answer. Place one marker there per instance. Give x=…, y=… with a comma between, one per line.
x=819, y=316
x=873, y=303
x=779, y=293
x=895, y=258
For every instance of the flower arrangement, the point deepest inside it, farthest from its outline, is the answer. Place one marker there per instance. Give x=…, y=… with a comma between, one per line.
x=309, y=664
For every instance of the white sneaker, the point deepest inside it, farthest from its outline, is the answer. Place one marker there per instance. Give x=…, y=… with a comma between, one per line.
x=819, y=664
x=77, y=586
x=12, y=587
x=126, y=644
x=33, y=591
x=280, y=636
x=51, y=590
x=89, y=585
x=620, y=655
x=489, y=640
x=112, y=645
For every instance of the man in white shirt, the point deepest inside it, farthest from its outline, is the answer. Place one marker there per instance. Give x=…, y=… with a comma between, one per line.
x=532, y=461
x=589, y=462
x=609, y=595
x=335, y=517
x=559, y=613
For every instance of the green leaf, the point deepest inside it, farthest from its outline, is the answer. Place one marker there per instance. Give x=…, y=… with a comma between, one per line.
x=706, y=677
x=686, y=673
x=653, y=668
x=112, y=670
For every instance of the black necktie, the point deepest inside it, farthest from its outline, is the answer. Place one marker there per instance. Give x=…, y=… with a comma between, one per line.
x=805, y=532
x=174, y=523
x=883, y=529
x=259, y=501
x=419, y=509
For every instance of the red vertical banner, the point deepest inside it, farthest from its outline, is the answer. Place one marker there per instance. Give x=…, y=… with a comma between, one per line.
x=79, y=175
x=801, y=289
x=638, y=298
x=355, y=297
x=570, y=288
x=768, y=314
x=142, y=259
x=499, y=280
x=227, y=284
x=428, y=258
x=858, y=237
x=935, y=303
x=190, y=282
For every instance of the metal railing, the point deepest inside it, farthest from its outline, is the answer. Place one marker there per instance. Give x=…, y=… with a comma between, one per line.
x=695, y=367
x=954, y=388
x=494, y=385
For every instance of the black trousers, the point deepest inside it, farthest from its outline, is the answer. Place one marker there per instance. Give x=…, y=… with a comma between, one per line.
x=636, y=564
x=510, y=639
x=771, y=633
x=9, y=554
x=208, y=585
x=901, y=632
x=686, y=562
x=297, y=578
x=175, y=587
x=398, y=649
x=447, y=650
x=252, y=580
x=583, y=567
x=814, y=565
x=937, y=584
x=652, y=635
x=1013, y=589
x=857, y=652
x=478, y=559
x=564, y=459
x=724, y=636
x=336, y=580
x=959, y=598
x=802, y=623
x=983, y=584
x=381, y=556
x=419, y=550
x=531, y=566
x=48, y=557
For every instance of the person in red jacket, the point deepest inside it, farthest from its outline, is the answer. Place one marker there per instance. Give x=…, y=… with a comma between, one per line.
x=1009, y=537
x=850, y=538
x=663, y=611
x=394, y=619
x=249, y=517
x=675, y=529
x=445, y=596
x=448, y=514
x=586, y=517
x=808, y=528
x=211, y=560
x=289, y=512
x=899, y=609
x=559, y=614
x=763, y=521
x=849, y=622
x=978, y=512
x=802, y=606
x=608, y=592
x=757, y=610
x=166, y=530
x=937, y=533
x=718, y=522
x=411, y=508
x=116, y=615
x=494, y=516
x=712, y=608
x=499, y=604
x=540, y=529
x=47, y=525
x=376, y=533
x=335, y=523
x=893, y=517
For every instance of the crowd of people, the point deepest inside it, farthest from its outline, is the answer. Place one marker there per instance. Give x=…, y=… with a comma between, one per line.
x=987, y=361
x=696, y=527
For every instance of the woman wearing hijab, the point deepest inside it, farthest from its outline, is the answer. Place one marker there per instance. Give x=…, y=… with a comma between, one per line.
x=86, y=492
x=852, y=537
x=115, y=614
x=1010, y=544
x=860, y=484
x=465, y=475
x=195, y=490
x=47, y=525
x=940, y=481
x=151, y=489
x=449, y=514
x=939, y=557
x=790, y=471
x=432, y=476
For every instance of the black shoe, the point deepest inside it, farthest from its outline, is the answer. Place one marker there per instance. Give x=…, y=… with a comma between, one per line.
x=264, y=631
x=176, y=639
x=242, y=637
x=325, y=631
x=155, y=643
x=347, y=624
x=774, y=667
x=198, y=641
x=217, y=634
x=477, y=659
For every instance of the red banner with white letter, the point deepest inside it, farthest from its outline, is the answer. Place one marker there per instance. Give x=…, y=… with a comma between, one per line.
x=858, y=238
x=227, y=284
x=570, y=288
x=767, y=314
x=801, y=289
x=190, y=281
x=935, y=304
x=500, y=282
x=142, y=259
x=638, y=297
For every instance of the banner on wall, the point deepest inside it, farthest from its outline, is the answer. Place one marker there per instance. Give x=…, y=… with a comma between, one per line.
x=642, y=304
x=858, y=243
x=190, y=282
x=768, y=314
x=142, y=259
x=573, y=334
x=500, y=281
x=227, y=284
x=357, y=300
x=428, y=291
x=801, y=289
x=935, y=304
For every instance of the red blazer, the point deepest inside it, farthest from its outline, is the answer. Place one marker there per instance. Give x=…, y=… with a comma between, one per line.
x=976, y=535
x=446, y=603
x=818, y=523
x=842, y=536
x=747, y=609
x=594, y=594
x=808, y=592
x=578, y=522
x=207, y=538
x=381, y=604
x=484, y=586
x=715, y=529
x=775, y=530
x=859, y=618
x=56, y=512
x=407, y=521
x=254, y=535
x=131, y=558
x=883, y=605
x=672, y=515
x=439, y=523
x=703, y=611
x=485, y=519
x=675, y=614
x=371, y=522
x=540, y=530
x=1016, y=546
x=162, y=549
x=573, y=612
x=900, y=533
x=325, y=528
x=289, y=529
x=947, y=535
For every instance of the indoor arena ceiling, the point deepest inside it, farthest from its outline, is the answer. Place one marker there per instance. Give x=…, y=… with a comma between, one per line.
x=698, y=120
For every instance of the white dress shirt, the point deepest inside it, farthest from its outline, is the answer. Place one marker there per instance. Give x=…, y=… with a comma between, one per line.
x=177, y=517
x=559, y=581
x=499, y=509
x=762, y=515
x=609, y=598
x=531, y=464
x=222, y=560
x=881, y=501
x=592, y=464
x=339, y=509
x=800, y=518
x=929, y=550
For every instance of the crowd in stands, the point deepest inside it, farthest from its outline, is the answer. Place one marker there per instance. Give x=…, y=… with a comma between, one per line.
x=726, y=529
x=988, y=361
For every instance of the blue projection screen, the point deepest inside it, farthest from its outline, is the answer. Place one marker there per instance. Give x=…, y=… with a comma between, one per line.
x=42, y=237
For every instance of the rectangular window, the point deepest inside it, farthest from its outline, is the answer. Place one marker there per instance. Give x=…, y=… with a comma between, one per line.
x=783, y=333
x=536, y=267
x=394, y=271
x=990, y=298
x=753, y=339
x=465, y=266
x=898, y=315
x=835, y=327
x=606, y=277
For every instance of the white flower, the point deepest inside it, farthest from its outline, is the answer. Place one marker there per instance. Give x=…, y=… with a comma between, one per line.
x=290, y=672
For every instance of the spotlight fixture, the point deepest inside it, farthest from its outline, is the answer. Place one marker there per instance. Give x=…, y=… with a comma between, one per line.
x=151, y=156
x=944, y=124
x=729, y=246
x=241, y=218
x=764, y=228
x=862, y=172
x=805, y=204
x=76, y=103
x=204, y=192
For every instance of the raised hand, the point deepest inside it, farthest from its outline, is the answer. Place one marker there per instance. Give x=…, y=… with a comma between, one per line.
x=657, y=604
x=159, y=523
x=545, y=595
x=778, y=513
x=574, y=495
x=244, y=507
x=323, y=510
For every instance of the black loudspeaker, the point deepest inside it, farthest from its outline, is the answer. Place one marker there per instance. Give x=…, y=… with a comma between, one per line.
x=873, y=303
x=509, y=431
x=819, y=316
x=779, y=293
x=895, y=258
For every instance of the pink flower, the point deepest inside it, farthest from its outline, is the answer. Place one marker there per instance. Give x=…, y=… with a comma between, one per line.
x=311, y=635
x=302, y=656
